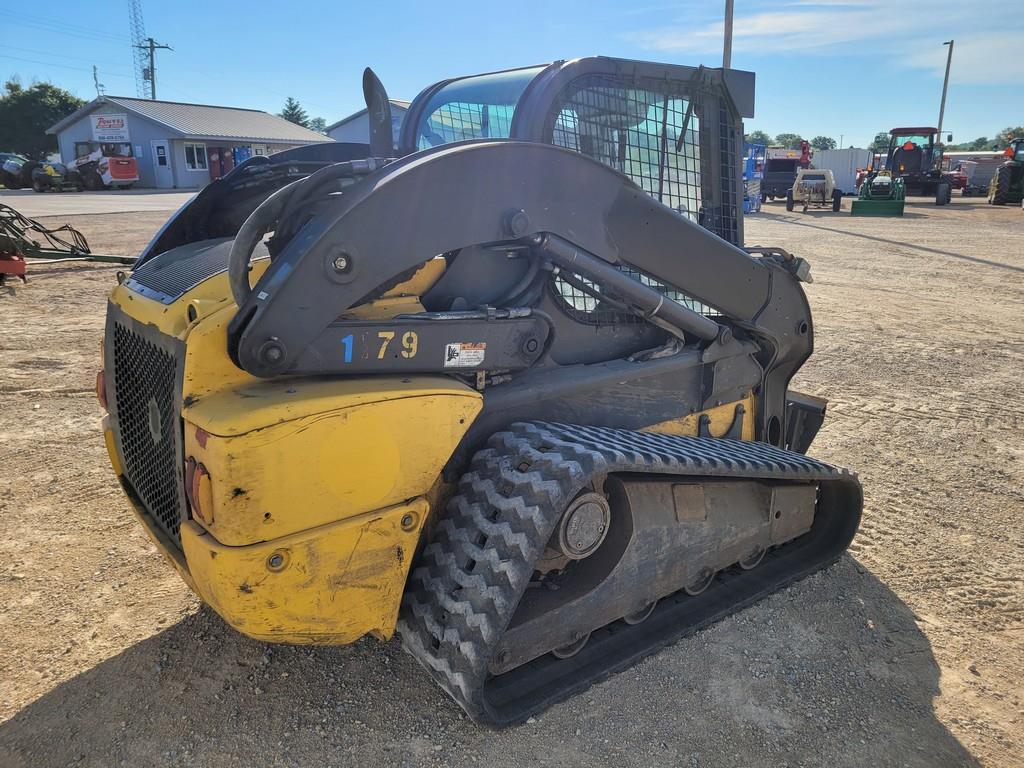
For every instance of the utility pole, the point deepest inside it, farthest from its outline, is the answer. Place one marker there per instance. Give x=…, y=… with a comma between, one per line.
x=152, y=46
x=840, y=141
x=945, y=85
x=727, y=47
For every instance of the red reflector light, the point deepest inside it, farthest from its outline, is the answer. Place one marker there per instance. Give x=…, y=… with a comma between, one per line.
x=101, y=390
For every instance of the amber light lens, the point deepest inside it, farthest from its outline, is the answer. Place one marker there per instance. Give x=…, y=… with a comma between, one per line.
x=195, y=475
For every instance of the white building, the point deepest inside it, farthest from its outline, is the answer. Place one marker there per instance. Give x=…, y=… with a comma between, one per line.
x=177, y=145
x=356, y=127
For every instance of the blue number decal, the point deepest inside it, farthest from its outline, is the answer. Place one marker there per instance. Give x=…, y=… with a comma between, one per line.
x=347, y=342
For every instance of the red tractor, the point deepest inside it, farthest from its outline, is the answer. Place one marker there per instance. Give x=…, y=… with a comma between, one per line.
x=915, y=155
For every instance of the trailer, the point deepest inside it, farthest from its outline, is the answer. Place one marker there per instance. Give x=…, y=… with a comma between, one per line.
x=781, y=165
x=980, y=167
x=844, y=164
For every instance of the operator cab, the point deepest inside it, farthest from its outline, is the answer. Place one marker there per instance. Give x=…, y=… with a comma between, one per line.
x=105, y=149
x=913, y=150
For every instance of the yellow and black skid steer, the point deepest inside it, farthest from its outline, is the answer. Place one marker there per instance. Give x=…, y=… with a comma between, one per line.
x=514, y=389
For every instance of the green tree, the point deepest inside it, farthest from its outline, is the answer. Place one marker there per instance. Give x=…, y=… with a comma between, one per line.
x=789, y=140
x=26, y=113
x=294, y=113
x=758, y=137
x=880, y=143
x=318, y=124
x=1004, y=136
x=980, y=143
x=823, y=142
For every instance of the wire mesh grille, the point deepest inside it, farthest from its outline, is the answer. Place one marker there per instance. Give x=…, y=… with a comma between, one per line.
x=651, y=134
x=725, y=216
x=460, y=121
x=144, y=380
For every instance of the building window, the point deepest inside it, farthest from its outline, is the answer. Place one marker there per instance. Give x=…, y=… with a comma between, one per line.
x=195, y=157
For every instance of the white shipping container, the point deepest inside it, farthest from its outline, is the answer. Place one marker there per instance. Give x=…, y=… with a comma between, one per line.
x=844, y=164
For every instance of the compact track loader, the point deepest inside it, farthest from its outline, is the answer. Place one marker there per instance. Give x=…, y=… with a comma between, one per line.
x=518, y=393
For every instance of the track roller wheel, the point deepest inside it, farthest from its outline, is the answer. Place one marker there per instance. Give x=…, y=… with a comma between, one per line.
x=753, y=559
x=639, y=616
x=570, y=650
x=703, y=581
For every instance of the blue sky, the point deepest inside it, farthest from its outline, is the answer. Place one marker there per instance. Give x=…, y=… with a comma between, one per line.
x=833, y=67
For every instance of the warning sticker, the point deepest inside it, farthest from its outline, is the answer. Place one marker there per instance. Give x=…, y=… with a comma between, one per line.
x=464, y=354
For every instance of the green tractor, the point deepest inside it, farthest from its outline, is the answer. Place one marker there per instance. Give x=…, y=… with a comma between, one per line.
x=1007, y=184
x=881, y=194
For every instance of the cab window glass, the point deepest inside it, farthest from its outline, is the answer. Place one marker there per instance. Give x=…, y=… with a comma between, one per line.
x=479, y=107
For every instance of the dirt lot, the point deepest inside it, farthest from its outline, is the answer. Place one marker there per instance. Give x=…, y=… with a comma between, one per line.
x=906, y=653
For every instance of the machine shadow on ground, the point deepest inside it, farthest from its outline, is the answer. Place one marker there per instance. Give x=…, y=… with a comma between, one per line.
x=741, y=693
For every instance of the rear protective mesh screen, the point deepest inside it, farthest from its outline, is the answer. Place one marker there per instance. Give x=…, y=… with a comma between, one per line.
x=145, y=376
x=675, y=141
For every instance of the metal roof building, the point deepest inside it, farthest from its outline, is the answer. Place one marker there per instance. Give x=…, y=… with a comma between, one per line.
x=177, y=145
x=356, y=127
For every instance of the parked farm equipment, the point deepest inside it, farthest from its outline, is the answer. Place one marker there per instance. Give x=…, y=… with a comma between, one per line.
x=814, y=188
x=1007, y=184
x=55, y=177
x=23, y=238
x=915, y=157
x=15, y=170
x=880, y=195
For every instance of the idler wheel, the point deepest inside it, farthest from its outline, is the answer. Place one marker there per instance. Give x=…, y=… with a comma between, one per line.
x=584, y=525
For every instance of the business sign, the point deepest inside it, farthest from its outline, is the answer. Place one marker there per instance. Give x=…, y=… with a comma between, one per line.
x=110, y=128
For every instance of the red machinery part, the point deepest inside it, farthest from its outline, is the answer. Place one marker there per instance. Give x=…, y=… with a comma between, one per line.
x=12, y=264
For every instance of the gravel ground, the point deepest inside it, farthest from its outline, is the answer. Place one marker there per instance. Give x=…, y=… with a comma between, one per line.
x=36, y=205
x=905, y=653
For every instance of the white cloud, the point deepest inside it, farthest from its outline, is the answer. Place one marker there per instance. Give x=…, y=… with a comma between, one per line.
x=978, y=59
x=909, y=33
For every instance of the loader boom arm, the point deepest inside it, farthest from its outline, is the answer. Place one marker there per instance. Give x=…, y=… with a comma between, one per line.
x=468, y=194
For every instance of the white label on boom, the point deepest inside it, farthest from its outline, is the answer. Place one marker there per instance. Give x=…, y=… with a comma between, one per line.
x=464, y=354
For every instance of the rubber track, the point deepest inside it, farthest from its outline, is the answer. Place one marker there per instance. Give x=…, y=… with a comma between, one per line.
x=470, y=577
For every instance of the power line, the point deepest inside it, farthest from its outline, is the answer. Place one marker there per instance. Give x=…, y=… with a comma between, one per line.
x=61, y=55
x=62, y=66
x=17, y=16
x=62, y=31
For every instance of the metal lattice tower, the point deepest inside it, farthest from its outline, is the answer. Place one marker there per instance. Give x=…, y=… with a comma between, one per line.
x=138, y=30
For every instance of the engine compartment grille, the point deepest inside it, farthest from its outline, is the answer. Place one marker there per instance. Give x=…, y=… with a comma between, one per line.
x=148, y=423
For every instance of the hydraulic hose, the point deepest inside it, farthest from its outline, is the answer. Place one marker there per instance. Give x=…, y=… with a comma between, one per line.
x=249, y=235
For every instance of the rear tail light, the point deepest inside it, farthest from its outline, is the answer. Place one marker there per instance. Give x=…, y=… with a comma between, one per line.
x=199, y=491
